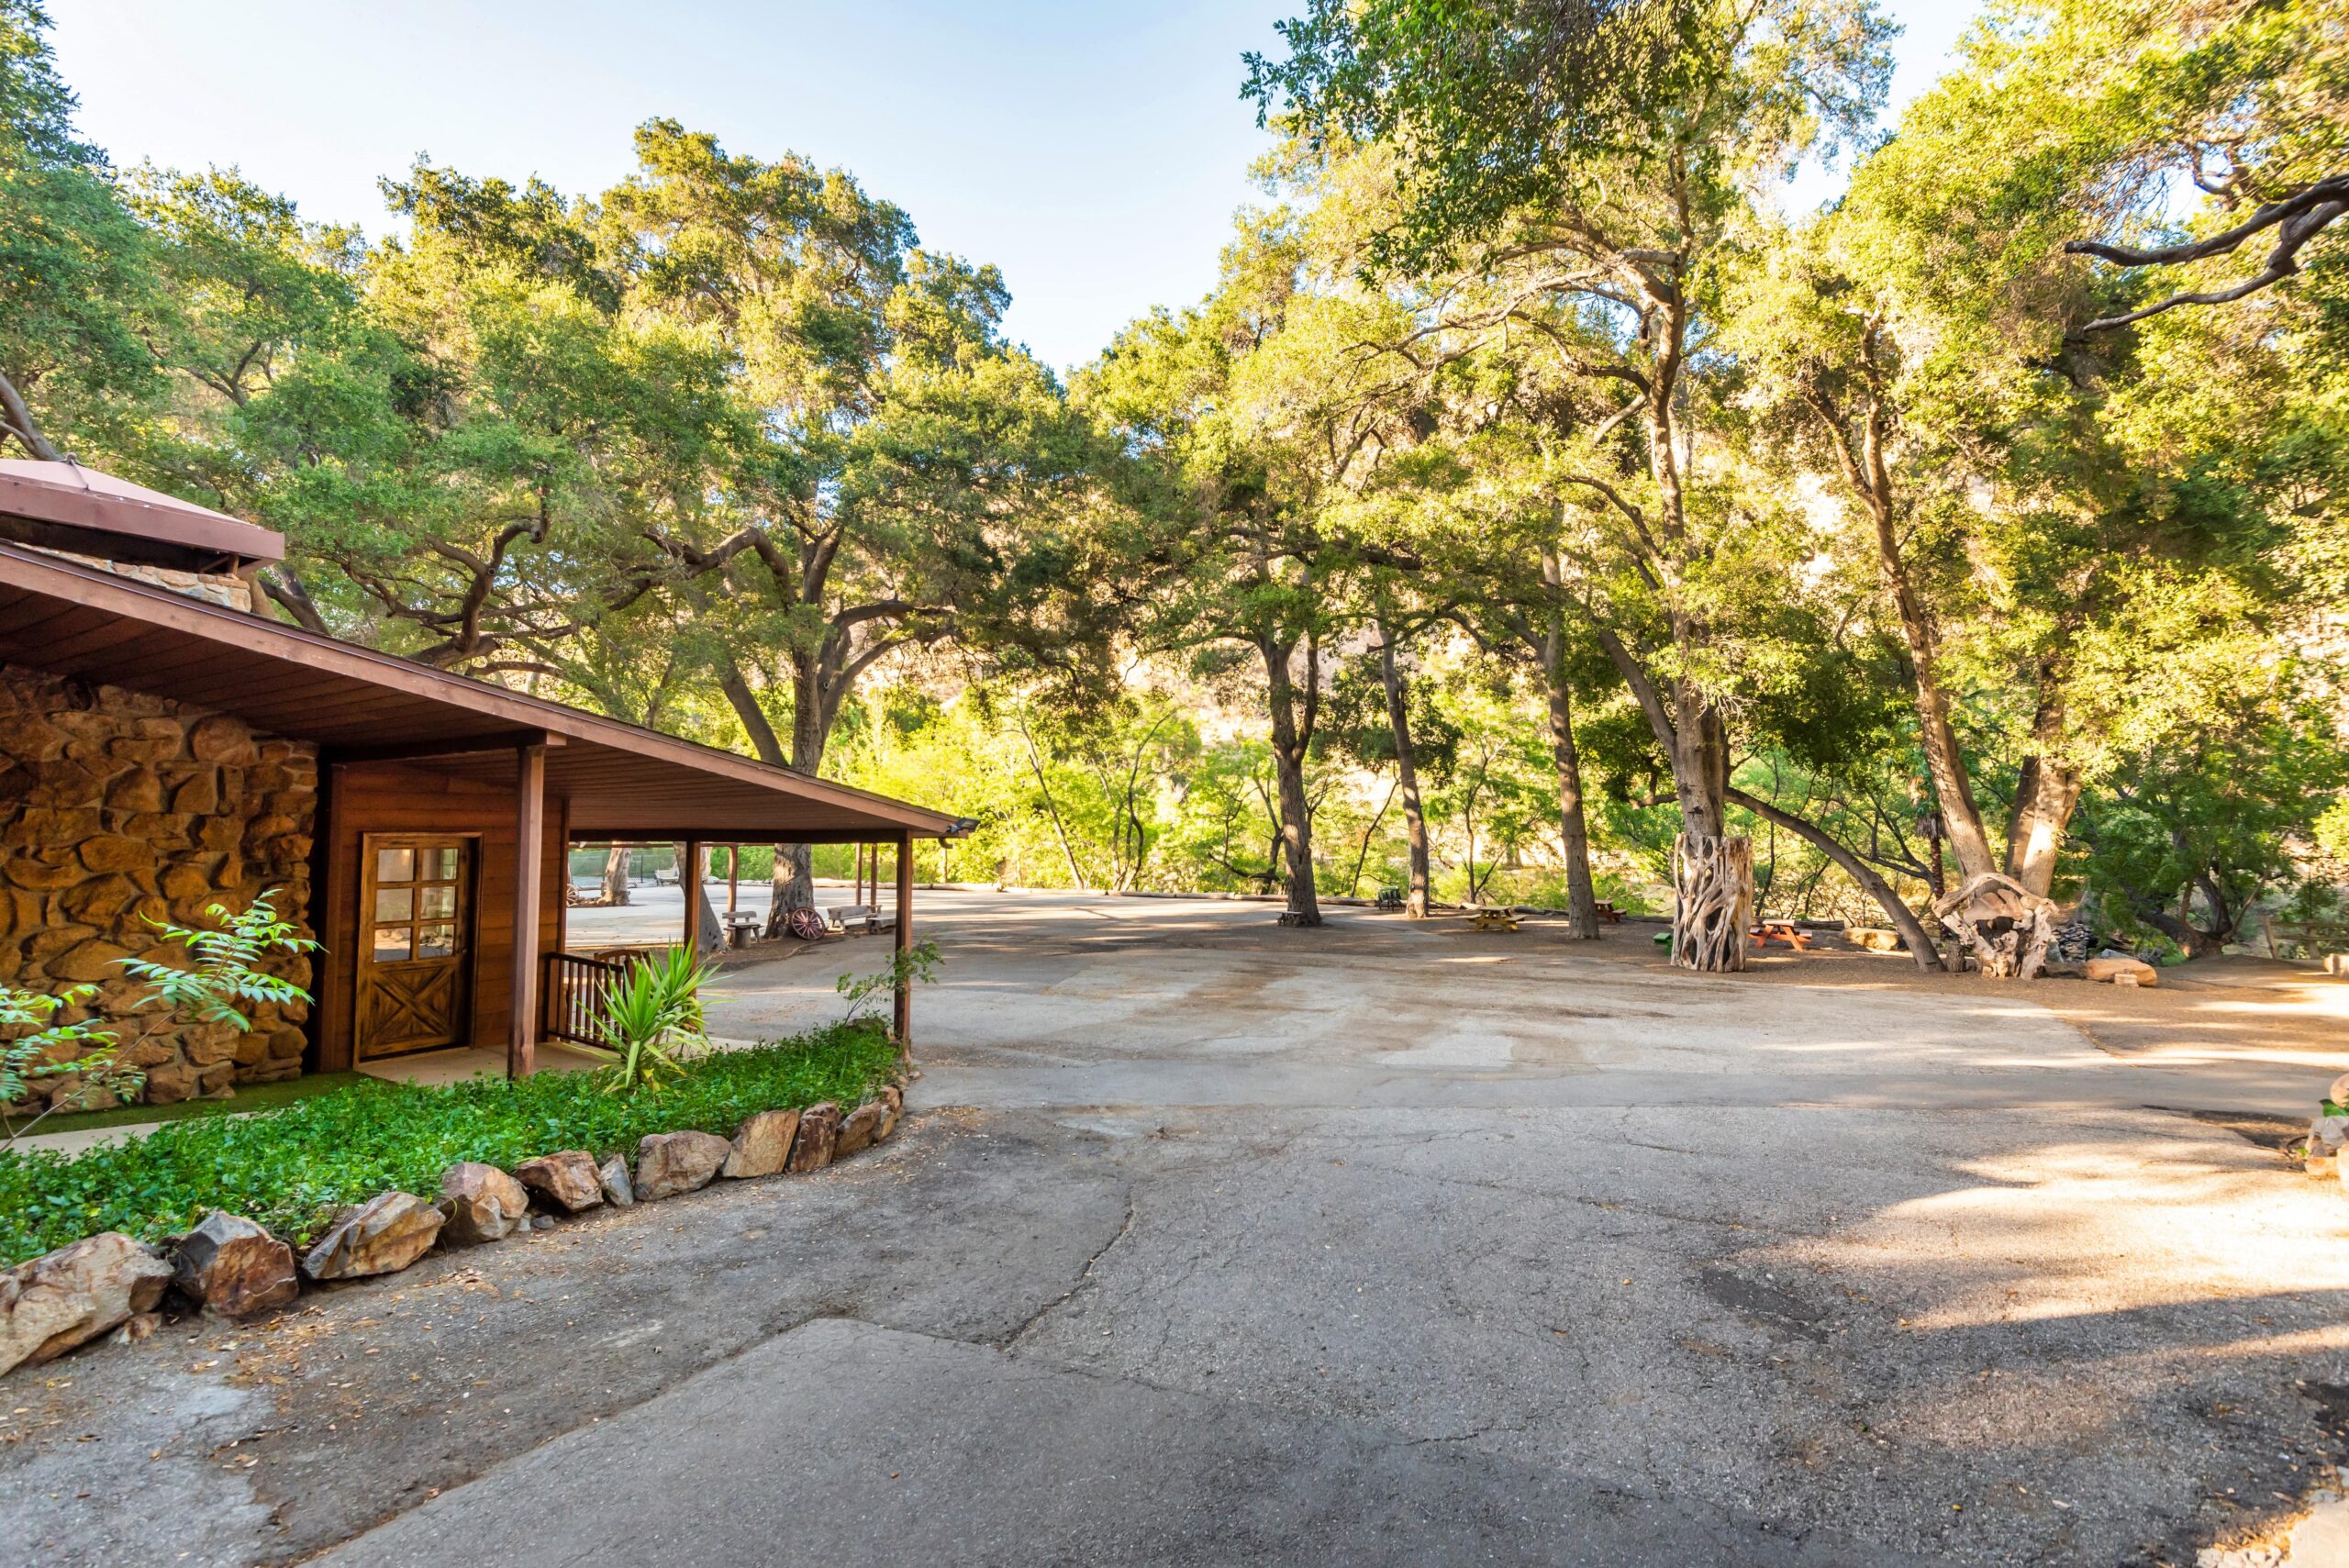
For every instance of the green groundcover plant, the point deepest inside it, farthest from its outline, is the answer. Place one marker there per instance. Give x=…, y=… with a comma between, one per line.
x=291, y=1169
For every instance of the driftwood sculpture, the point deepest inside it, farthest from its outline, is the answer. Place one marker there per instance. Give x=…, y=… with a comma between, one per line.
x=2007, y=927
x=1714, y=879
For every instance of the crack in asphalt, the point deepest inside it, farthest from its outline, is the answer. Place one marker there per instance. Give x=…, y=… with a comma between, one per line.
x=1084, y=1278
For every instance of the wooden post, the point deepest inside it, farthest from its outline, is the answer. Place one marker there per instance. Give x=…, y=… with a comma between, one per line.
x=734, y=876
x=905, y=939
x=529, y=856
x=689, y=878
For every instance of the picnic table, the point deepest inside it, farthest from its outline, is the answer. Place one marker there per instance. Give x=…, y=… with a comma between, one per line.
x=1492, y=919
x=1785, y=932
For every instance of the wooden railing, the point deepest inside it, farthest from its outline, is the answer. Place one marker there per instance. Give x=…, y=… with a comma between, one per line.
x=573, y=993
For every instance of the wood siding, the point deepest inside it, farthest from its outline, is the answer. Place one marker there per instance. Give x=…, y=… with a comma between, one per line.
x=384, y=798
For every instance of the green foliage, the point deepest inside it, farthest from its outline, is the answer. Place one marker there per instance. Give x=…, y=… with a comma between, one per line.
x=651, y=1020
x=917, y=966
x=2188, y=838
x=1498, y=109
x=39, y=1047
x=228, y=963
x=290, y=1169
x=75, y=291
x=226, y=971
x=1523, y=369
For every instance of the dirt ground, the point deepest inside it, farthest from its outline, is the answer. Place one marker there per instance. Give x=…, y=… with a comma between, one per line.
x=1213, y=1241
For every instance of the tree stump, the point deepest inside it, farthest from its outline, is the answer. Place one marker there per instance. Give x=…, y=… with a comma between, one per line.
x=2007, y=927
x=1714, y=879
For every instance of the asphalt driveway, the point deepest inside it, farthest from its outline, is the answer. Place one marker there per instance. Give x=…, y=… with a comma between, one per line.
x=1213, y=1241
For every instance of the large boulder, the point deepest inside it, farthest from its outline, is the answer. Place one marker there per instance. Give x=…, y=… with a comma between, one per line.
x=612, y=1176
x=819, y=1129
x=668, y=1163
x=2339, y=1093
x=2328, y=1133
x=566, y=1179
x=482, y=1203
x=857, y=1131
x=234, y=1267
x=2103, y=970
x=762, y=1145
x=381, y=1236
x=64, y=1298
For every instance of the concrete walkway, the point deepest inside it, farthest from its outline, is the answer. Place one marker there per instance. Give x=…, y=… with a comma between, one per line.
x=1212, y=1242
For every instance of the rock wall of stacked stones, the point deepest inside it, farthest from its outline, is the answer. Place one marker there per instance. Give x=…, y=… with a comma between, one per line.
x=118, y=808
x=222, y=588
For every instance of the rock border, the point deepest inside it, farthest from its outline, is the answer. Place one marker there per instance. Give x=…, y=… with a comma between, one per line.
x=229, y=1267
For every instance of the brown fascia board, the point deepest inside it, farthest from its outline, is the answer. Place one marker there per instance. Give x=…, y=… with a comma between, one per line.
x=193, y=618
x=95, y=522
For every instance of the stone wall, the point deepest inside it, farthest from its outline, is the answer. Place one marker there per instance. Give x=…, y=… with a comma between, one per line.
x=118, y=807
x=223, y=588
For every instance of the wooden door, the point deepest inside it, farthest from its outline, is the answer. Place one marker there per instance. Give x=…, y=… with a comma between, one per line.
x=416, y=940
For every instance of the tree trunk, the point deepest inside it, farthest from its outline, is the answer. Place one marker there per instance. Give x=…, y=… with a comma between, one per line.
x=1868, y=469
x=16, y=419
x=2046, y=791
x=795, y=875
x=693, y=882
x=1573, y=833
x=1289, y=742
x=1354, y=883
x=1052, y=808
x=2046, y=794
x=616, y=875
x=1712, y=872
x=1406, y=769
x=1694, y=737
x=1903, y=918
x=1713, y=878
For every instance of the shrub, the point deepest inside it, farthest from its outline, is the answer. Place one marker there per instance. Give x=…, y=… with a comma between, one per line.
x=291, y=1169
x=652, y=1020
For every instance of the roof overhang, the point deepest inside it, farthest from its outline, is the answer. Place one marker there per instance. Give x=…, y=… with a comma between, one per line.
x=359, y=706
x=62, y=506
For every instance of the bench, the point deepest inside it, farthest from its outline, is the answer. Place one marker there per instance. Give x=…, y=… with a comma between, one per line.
x=1390, y=898
x=739, y=924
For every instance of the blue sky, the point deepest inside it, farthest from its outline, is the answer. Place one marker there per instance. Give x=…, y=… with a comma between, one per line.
x=1094, y=150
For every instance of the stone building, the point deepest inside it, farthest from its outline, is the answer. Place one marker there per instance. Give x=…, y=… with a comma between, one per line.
x=165, y=749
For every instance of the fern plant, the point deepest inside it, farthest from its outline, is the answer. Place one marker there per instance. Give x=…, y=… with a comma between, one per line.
x=226, y=971
x=46, y=1049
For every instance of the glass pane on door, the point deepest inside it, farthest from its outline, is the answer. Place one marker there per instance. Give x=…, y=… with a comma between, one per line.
x=414, y=923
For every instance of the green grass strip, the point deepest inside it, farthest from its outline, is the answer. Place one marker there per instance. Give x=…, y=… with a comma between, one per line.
x=248, y=1097
x=292, y=1168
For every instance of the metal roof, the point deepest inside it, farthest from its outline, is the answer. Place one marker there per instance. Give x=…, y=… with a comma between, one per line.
x=62, y=506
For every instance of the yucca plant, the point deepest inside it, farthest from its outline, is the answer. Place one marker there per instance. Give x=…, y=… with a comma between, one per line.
x=651, y=1022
